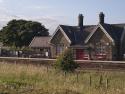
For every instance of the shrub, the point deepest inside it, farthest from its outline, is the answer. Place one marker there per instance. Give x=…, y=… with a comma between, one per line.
x=65, y=61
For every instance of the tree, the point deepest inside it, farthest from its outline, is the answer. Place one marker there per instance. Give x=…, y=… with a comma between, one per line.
x=65, y=61
x=19, y=33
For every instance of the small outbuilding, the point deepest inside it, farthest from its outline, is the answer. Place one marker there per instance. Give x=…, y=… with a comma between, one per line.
x=41, y=47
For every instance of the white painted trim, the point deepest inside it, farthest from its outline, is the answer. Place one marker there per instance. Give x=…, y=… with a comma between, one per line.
x=91, y=34
x=65, y=35
x=62, y=33
x=103, y=29
x=123, y=35
x=32, y=41
x=54, y=34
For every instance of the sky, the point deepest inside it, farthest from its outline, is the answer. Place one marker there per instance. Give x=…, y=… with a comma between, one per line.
x=51, y=13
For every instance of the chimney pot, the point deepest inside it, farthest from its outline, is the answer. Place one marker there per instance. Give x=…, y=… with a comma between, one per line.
x=80, y=20
x=101, y=18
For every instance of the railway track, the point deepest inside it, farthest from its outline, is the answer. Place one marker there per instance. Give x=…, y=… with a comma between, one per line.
x=83, y=64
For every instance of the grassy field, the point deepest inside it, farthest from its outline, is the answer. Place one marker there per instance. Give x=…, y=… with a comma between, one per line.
x=29, y=79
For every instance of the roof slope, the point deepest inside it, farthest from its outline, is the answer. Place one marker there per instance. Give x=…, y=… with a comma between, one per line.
x=39, y=42
x=77, y=35
x=114, y=30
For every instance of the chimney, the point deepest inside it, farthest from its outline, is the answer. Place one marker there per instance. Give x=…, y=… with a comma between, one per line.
x=101, y=18
x=80, y=20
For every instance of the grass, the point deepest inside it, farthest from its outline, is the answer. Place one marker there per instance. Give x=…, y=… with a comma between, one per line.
x=30, y=79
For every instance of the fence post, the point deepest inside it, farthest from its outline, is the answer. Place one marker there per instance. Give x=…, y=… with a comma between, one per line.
x=100, y=80
x=90, y=80
x=107, y=82
x=47, y=68
x=77, y=76
x=65, y=74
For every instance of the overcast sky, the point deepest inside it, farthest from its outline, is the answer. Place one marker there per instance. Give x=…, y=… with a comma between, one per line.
x=54, y=12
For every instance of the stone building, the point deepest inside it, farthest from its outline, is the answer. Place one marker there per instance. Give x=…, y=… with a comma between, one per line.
x=97, y=42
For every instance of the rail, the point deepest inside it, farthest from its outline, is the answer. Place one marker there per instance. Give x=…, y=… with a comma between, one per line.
x=46, y=59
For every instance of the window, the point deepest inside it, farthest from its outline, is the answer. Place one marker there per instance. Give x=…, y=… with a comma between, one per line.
x=59, y=49
x=100, y=48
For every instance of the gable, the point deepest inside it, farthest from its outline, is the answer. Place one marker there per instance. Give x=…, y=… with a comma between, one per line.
x=98, y=33
x=99, y=36
x=59, y=36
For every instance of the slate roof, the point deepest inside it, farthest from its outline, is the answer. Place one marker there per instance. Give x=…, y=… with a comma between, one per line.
x=77, y=35
x=114, y=30
x=39, y=42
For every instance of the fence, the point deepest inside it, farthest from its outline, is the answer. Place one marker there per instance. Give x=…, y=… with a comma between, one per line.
x=105, y=82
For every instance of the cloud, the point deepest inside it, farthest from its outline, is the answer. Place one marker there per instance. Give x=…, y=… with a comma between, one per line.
x=50, y=23
x=37, y=7
x=1, y=1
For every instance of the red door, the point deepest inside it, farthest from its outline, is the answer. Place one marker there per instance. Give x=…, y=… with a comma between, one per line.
x=79, y=54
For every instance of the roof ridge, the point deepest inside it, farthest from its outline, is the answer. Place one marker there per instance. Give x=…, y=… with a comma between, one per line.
x=76, y=25
x=42, y=36
x=118, y=24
